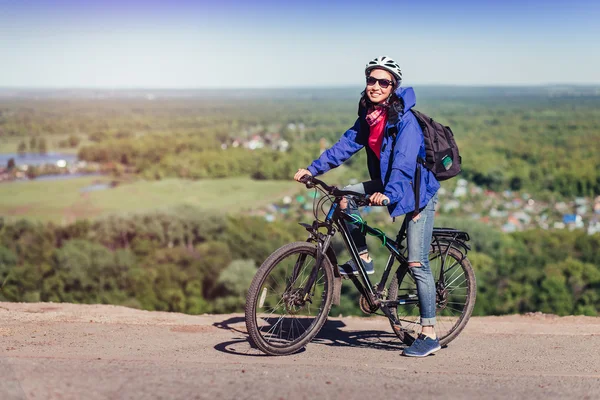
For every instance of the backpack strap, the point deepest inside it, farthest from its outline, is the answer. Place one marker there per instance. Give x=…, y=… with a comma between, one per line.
x=393, y=132
x=417, y=186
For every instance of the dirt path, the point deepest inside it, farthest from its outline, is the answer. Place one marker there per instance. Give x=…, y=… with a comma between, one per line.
x=65, y=351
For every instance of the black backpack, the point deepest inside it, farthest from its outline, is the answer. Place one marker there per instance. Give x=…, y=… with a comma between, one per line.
x=441, y=152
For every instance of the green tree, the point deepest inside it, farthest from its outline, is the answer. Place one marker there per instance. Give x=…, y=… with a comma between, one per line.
x=88, y=269
x=73, y=140
x=235, y=279
x=8, y=260
x=22, y=148
x=232, y=286
x=42, y=146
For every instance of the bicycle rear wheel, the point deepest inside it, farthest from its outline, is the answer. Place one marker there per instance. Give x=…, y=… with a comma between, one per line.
x=281, y=318
x=455, y=295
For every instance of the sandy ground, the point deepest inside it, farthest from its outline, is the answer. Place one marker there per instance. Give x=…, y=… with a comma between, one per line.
x=66, y=351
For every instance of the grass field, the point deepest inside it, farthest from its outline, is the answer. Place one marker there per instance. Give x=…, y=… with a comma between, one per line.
x=63, y=201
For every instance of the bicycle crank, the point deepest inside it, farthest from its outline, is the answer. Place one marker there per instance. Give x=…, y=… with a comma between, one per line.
x=365, y=306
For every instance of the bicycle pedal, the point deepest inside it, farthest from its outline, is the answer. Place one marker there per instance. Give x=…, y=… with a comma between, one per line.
x=349, y=277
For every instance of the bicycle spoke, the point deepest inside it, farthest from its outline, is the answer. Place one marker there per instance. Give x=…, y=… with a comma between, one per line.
x=450, y=284
x=274, y=307
x=456, y=271
x=291, y=330
x=452, y=302
x=406, y=320
x=288, y=317
x=458, y=287
x=275, y=325
x=441, y=326
x=451, y=308
x=301, y=324
x=305, y=279
x=302, y=273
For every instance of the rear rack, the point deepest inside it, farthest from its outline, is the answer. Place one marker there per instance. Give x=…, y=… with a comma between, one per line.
x=447, y=238
x=451, y=233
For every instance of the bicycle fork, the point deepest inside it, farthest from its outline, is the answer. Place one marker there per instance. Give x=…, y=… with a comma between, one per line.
x=322, y=247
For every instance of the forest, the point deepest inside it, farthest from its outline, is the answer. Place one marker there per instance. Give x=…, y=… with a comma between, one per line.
x=542, y=140
x=189, y=261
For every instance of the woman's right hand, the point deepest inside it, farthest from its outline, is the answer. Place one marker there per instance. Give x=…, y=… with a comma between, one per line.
x=301, y=172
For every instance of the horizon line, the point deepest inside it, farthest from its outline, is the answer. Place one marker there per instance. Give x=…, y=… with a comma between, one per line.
x=334, y=86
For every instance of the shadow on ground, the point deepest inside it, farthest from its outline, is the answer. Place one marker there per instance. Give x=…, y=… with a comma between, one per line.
x=332, y=334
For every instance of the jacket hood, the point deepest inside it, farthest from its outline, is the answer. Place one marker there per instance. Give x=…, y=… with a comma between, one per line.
x=407, y=94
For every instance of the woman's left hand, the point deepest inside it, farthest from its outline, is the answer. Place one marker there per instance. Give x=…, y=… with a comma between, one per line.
x=378, y=198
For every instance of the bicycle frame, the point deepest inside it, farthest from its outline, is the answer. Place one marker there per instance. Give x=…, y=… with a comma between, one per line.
x=335, y=222
x=443, y=240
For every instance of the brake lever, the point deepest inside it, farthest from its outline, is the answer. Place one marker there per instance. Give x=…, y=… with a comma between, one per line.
x=306, y=179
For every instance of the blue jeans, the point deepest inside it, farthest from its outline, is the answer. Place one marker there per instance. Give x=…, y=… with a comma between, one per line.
x=418, y=242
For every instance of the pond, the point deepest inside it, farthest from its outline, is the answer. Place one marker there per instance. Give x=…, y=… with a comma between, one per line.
x=60, y=177
x=45, y=159
x=36, y=159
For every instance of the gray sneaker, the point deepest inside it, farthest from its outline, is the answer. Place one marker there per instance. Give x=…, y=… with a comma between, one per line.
x=350, y=267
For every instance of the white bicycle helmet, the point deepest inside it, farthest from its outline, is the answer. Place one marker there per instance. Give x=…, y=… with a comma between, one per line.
x=387, y=64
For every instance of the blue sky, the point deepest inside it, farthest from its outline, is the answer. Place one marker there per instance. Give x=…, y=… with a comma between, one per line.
x=228, y=44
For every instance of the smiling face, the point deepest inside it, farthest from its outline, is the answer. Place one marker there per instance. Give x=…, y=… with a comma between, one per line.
x=375, y=92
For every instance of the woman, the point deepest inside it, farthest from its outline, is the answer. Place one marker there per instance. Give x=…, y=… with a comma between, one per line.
x=393, y=140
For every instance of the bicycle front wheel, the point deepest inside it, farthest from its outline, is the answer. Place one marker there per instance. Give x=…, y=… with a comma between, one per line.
x=455, y=295
x=281, y=315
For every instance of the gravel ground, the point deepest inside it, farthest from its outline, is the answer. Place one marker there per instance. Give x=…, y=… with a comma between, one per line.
x=66, y=351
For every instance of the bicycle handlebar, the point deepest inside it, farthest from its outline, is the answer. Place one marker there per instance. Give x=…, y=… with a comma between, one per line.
x=363, y=199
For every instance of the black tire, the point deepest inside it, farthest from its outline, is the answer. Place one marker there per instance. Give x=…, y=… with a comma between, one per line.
x=453, y=309
x=297, y=326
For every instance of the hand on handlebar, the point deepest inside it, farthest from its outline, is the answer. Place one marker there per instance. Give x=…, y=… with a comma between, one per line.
x=301, y=173
x=379, y=199
x=376, y=199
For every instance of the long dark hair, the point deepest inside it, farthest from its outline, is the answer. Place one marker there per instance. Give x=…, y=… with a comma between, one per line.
x=395, y=104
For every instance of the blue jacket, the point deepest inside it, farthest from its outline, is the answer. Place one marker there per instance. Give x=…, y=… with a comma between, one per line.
x=397, y=163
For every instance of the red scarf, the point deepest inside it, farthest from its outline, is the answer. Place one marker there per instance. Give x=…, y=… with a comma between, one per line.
x=376, y=118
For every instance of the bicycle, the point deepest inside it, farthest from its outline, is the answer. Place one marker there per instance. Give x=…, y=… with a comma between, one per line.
x=301, y=280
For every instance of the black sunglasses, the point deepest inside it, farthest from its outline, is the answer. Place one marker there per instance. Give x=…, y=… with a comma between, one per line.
x=383, y=83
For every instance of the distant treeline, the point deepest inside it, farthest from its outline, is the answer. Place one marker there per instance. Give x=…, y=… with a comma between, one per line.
x=193, y=157
x=545, y=141
x=190, y=261
x=180, y=260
